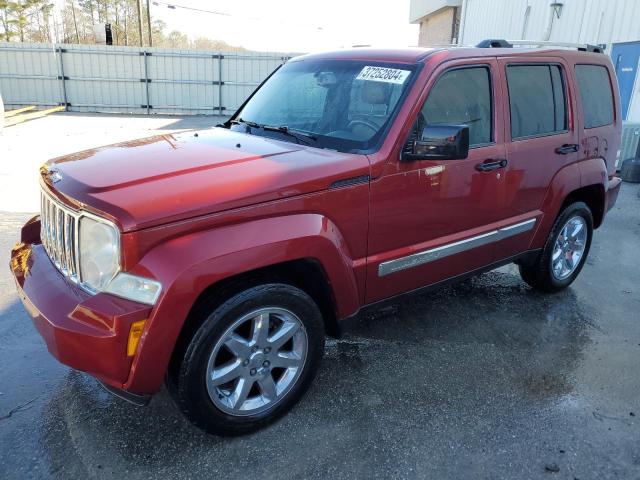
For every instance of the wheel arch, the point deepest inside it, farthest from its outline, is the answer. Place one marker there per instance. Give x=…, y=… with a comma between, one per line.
x=593, y=196
x=305, y=250
x=581, y=181
x=307, y=274
x=594, y=181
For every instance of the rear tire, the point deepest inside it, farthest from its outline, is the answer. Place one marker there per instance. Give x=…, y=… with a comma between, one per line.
x=564, y=253
x=250, y=361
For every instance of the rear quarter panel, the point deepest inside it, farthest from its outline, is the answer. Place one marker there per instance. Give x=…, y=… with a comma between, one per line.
x=566, y=180
x=600, y=143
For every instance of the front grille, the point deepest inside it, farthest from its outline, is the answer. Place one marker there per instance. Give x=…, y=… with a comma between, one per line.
x=59, y=235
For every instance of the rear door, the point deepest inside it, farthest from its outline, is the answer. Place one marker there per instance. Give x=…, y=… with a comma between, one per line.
x=541, y=138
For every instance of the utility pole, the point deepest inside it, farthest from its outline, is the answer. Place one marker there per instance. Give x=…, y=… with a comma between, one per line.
x=75, y=23
x=149, y=23
x=140, y=21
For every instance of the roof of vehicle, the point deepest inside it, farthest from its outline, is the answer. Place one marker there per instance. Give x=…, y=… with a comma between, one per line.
x=418, y=54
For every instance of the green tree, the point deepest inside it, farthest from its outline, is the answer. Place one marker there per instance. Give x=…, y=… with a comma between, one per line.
x=5, y=10
x=26, y=19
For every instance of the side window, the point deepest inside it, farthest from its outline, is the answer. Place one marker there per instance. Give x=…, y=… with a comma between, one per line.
x=462, y=96
x=536, y=100
x=595, y=95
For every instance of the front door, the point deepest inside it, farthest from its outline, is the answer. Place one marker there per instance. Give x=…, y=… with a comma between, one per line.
x=434, y=219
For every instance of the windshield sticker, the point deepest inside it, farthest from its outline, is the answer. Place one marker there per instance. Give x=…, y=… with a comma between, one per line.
x=381, y=74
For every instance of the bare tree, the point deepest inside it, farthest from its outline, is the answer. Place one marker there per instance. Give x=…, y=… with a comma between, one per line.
x=31, y=21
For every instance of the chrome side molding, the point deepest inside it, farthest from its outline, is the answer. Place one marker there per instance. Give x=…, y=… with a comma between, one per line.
x=426, y=256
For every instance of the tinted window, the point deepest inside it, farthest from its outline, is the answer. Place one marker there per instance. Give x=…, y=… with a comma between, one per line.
x=462, y=96
x=536, y=100
x=595, y=95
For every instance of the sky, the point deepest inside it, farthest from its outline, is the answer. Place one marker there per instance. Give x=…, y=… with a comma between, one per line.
x=293, y=25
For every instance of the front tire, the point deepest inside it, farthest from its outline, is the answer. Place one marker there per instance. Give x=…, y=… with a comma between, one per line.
x=250, y=361
x=564, y=253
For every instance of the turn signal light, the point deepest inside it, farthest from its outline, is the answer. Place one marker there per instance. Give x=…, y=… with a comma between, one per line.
x=134, y=337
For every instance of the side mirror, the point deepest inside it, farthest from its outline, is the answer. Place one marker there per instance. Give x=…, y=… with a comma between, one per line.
x=438, y=142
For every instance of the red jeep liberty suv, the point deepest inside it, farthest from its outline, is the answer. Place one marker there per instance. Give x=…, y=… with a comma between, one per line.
x=218, y=260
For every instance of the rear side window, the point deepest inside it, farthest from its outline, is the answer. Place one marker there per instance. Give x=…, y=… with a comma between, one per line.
x=595, y=95
x=462, y=96
x=536, y=100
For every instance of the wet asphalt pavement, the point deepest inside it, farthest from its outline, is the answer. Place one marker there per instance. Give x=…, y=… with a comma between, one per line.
x=486, y=379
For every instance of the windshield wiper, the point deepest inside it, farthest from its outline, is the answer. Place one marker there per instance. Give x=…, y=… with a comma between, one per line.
x=301, y=137
x=249, y=123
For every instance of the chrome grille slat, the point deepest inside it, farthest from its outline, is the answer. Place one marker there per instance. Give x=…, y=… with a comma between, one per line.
x=52, y=231
x=58, y=233
x=60, y=240
x=68, y=244
x=54, y=234
x=43, y=222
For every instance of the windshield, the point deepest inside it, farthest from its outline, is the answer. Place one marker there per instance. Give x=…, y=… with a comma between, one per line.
x=344, y=105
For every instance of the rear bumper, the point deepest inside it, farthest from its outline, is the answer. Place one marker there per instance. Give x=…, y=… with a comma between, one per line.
x=612, y=192
x=86, y=332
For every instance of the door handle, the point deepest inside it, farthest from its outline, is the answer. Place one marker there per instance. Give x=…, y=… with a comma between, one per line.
x=567, y=148
x=491, y=164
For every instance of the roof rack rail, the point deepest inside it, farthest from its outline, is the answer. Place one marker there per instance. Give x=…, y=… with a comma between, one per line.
x=501, y=43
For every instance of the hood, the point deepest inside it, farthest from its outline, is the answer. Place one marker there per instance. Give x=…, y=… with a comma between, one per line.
x=166, y=178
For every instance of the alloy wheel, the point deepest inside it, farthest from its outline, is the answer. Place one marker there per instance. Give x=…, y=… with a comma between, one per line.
x=569, y=247
x=256, y=361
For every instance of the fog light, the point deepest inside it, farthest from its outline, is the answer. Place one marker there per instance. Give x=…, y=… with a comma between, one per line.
x=134, y=337
x=132, y=287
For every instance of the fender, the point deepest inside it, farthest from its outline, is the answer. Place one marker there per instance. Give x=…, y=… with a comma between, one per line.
x=594, y=172
x=565, y=181
x=588, y=172
x=206, y=257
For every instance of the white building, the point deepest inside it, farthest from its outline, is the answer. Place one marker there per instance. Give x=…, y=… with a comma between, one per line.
x=614, y=23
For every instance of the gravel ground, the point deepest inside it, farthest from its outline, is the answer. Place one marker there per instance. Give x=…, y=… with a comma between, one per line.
x=486, y=379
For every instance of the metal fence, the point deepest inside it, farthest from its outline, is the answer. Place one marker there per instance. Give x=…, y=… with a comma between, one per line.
x=630, y=146
x=97, y=78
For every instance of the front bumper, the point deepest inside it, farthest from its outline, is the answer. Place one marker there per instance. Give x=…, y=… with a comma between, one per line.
x=86, y=332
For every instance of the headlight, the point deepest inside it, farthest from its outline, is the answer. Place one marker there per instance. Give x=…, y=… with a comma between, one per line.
x=99, y=252
x=100, y=264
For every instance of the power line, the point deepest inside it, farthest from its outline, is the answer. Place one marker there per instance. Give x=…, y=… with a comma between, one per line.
x=175, y=6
